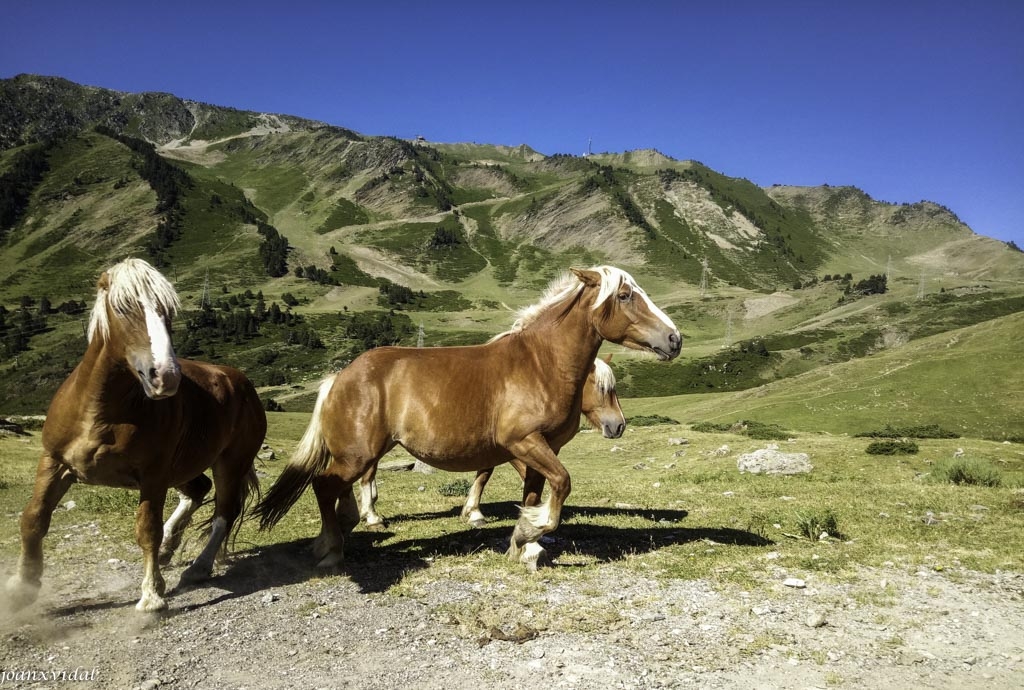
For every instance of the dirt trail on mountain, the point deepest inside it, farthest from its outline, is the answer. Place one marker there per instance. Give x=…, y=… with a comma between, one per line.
x=269, y=620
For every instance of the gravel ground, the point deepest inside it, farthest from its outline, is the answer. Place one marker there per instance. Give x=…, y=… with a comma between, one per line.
x=267, y=620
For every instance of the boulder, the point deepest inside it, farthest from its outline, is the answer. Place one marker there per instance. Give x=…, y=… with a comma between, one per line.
x=772, y=461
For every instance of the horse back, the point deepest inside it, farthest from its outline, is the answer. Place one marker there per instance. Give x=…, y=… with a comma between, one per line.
x=454, y=408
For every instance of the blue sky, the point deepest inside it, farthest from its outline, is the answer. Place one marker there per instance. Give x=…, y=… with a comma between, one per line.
x=906, y=100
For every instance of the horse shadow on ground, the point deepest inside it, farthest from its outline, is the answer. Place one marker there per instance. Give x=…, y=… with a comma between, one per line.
x=509, y=510
x=375, y=561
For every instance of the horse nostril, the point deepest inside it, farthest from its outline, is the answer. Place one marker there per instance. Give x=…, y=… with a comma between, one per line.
x=619, y=429
x=152, y=374
x=675, y=340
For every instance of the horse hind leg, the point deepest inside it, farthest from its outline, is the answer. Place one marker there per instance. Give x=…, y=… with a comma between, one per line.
x=53, y=479
x=367, y=504
x=331, y=492
x=190, y=497
x=234, y=480
x=471, y=511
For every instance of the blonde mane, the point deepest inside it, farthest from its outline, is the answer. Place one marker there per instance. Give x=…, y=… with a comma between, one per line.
x=604, y=377
x=566, y=286
x=133, y=284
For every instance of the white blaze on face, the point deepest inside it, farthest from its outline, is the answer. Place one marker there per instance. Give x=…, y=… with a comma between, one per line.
x=159, y=341
x=654, y=308
x=157, y=367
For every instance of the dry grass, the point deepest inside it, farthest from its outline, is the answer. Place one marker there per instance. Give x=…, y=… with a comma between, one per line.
x=638, y=505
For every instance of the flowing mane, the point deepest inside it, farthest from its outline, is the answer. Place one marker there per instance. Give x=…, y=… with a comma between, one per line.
x=132, y=284
x=565, y=286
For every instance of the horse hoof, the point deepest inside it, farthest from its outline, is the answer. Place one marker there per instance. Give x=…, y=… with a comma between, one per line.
x=320, y=547
x=479, y=523
x=331, y=560
x=534, y=556
x=20, y=593
x=194, y=574
x=150, y=603
x=376, y=526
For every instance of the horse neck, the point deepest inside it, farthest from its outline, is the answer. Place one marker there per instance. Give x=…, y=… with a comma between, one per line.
x=568, y=339
x=103, y=377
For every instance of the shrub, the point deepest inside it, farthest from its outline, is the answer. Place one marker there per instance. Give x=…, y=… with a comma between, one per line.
x=458, y=487
x=649, y=420
x=966, y=471
x=746, y=427
x=892, y=447
x=921, y=431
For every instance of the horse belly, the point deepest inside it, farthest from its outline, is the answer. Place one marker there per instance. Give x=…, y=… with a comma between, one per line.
x=458, y=457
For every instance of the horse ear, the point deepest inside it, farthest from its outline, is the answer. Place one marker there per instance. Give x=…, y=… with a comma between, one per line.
x=104, y=282
x=588, y=278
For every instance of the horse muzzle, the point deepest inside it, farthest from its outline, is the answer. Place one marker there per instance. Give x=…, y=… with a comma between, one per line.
x=670, y=348
x=613, y=429
x=160, y=382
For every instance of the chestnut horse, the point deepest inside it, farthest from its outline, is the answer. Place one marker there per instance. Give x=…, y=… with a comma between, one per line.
x=470, y=408
x=601, y=408
x=132, y=415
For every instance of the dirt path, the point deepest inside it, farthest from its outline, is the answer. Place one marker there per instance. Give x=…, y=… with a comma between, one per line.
x=267, y=620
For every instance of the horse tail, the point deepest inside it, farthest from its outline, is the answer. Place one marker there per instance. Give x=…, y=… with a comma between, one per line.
x=250, y=494
x=310, y=458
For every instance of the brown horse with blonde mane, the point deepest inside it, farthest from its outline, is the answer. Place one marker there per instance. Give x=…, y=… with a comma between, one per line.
x=601, y=408
x=133, y=415
x=471, y=408
x=600, y=405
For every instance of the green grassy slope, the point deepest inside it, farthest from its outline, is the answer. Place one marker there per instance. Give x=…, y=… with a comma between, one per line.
x=476, y=231
x=967, y=380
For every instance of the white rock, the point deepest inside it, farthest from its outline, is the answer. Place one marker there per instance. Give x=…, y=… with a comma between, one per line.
x=770, y=461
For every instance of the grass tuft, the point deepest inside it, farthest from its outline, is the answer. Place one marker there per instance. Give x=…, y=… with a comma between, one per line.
x=812, y=525
x=966, y=471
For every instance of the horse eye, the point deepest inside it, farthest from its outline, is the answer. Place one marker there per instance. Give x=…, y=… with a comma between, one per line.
x=624, y=296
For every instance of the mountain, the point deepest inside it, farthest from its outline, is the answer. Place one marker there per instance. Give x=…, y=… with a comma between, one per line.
x=362, y=239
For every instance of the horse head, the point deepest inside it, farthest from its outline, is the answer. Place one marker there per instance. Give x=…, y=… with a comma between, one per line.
x=132, y=316
x=600, y=404
x=625, y=315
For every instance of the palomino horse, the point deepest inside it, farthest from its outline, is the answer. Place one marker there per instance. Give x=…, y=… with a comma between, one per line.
x=601, y=408
x=132, y=415
x=470, y=408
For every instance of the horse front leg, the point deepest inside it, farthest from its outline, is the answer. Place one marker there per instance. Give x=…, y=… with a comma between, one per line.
x=53, y=479
x=149, y=534
x=536, y=521
x=533, y=486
